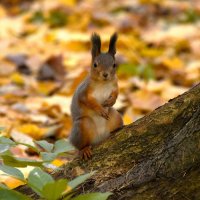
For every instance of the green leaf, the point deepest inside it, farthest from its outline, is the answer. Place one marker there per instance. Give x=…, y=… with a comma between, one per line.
x=47, y=157
x=37, y=179
x=80, y=179
x=4, y=147
x=5, y=144
x=5, y=140
x=57, y=18
x=45, y=145
x=93, y=196
x=62, y=146
x=38, y=17
x=69, y=196
x=16, y=173
x=53, y=191
x=128, y=69
x=20, y=162
x=12, y=195
x=148, y=72
x=3, y=186
x=190, y=16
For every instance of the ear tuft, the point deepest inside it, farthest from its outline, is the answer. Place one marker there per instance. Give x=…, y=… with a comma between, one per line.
x=96, y=45
x=112, y=45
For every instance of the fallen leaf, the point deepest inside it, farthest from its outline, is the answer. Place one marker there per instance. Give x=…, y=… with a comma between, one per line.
x=22, y=138
x=172, y=92
x=145, y=100
x=7, y=68
x=52, y=69
x=32, y=130
x=131, y=115
x=62, y=101
x=173, y=63
x=45, y=87
x=17, y=79
x=58, y=162
x=11, y=182
x=20, y=61
x=171, y=33
x=193, y=72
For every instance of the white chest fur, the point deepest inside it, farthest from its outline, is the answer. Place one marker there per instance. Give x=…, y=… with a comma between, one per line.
x=102, y=92
x=102, y=131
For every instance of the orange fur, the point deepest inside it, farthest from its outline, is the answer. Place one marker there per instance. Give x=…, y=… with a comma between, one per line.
x=112, y=99
x=90, y=102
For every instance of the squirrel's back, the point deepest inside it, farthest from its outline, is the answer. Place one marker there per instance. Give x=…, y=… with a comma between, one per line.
x=76, y=110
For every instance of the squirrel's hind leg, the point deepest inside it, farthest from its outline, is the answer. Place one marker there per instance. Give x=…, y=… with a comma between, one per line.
x=82, y=134
x=115, y=120
x=86, y=153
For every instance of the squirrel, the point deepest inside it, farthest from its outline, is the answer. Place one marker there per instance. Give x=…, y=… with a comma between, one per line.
x=93, y=116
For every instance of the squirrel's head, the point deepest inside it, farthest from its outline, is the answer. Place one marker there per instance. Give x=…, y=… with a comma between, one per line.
x=103, y=64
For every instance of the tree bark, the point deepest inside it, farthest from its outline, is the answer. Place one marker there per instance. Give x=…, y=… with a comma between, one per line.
x=156, y=157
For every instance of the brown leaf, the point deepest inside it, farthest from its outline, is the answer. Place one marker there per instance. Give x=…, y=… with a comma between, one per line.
x=52, y=69
x=20, y=61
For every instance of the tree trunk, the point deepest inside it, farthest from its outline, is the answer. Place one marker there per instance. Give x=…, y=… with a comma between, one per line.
x=156, y=157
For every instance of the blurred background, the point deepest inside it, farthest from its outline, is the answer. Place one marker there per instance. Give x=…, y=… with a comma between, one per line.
x=45, y=54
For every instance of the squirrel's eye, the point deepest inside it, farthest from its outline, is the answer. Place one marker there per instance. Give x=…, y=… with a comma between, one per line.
x=114, y=65
x=95, y=65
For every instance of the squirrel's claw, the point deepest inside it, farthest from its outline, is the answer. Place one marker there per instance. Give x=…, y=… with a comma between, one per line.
x=109, y=102
x=86, y=153
x=104, y=114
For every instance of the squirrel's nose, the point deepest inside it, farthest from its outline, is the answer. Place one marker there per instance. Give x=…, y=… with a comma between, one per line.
x=105, y=75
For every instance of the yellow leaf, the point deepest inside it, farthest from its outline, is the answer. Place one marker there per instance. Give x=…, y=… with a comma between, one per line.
x=2, y=12
x=131, y=115
x=85, y=20
x=32, y=130
x=68, y=2
x=45, y=87
x=76, y=46
x=152, y=53
x=68, y=189
x=173, y=63
x=17, y=79
x=58, y=162
x=127, y=119
x=151, y=1
x=12, y=182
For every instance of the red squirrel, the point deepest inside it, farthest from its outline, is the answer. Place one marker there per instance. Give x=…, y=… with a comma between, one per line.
x=93, y=116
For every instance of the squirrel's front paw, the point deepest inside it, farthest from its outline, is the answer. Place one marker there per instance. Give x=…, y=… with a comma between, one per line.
x=109, y=102
x=104, y=114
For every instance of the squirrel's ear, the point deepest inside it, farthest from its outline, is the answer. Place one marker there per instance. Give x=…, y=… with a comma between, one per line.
x=96, y=45
x=112, y=45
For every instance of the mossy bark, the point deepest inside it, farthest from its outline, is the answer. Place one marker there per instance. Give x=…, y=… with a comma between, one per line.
x=156, y=157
